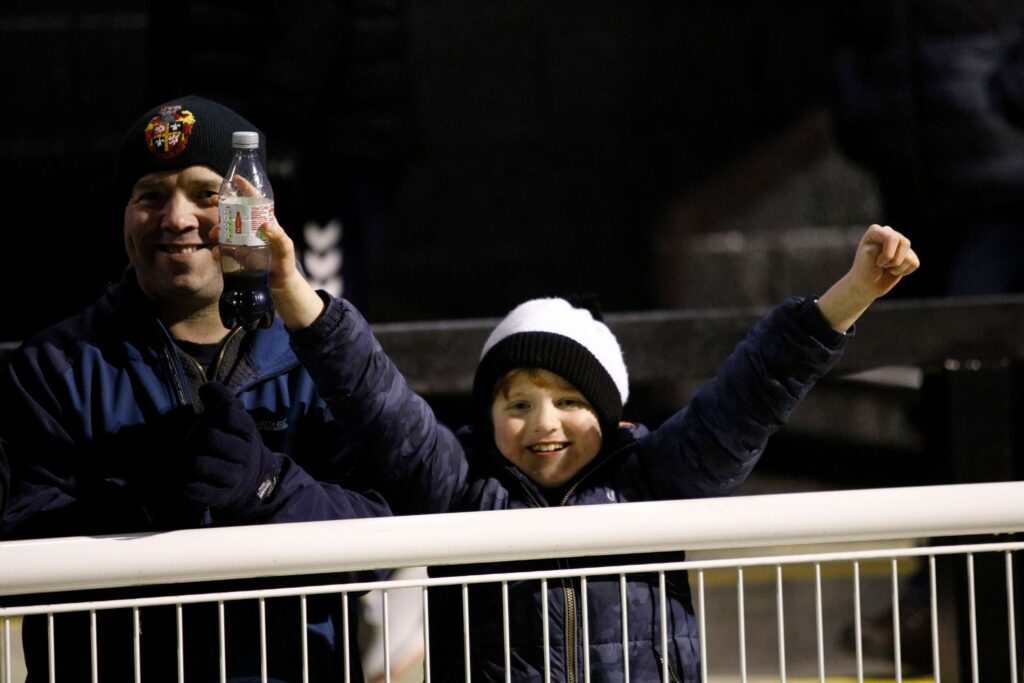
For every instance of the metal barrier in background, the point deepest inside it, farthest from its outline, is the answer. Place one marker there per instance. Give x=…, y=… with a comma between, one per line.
x=794, y=536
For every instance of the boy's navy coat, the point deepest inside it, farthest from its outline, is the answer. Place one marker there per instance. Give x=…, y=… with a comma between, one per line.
x=706, y=449
x=95, y=412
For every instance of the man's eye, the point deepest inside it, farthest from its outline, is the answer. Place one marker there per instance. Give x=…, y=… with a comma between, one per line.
x=148, y=197
x=206, y=196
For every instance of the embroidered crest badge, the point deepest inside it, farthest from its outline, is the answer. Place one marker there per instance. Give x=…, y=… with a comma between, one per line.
x=167, y=132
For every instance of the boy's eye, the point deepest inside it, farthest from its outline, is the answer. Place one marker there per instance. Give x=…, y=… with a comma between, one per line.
x=573, y=402
x=518, y=405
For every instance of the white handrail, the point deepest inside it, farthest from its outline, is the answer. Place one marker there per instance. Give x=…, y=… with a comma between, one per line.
x=58, y=564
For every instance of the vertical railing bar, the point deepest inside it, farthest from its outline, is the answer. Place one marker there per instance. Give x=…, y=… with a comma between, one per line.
x=505, y=635
x=662, y=599
x=973, y=617
x=624, y=609
x=741, y=618
x=346, y=650
x=137, y=642
x=934, y=598
x=781, y=623
x=702, y=628
x=545, y=629
x=465, y=629
x=51, y=650
x=586, y=630
x=222, y=640
x=8, y=669
x=93, y=648
x=1011, y=616
x=858, y=634
x=897, y=640
x=387, y=637
x=263, y=640
x=819, y=625
x=179, y=630
x=304, y=633
x=426, y=635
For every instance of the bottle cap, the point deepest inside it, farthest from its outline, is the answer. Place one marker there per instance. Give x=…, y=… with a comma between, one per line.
x=245, y=139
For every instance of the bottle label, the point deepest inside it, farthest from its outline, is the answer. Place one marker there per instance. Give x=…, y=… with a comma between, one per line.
x=241, y=220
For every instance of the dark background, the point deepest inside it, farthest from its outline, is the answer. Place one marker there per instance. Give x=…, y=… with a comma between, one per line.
x=476, y=153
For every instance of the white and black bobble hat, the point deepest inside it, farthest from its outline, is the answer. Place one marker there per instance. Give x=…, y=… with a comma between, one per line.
x=554, y=335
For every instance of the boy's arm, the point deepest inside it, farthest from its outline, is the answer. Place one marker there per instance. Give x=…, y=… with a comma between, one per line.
x=711, y=446
x=883, y=258
x=402, y=451
x=417, y=464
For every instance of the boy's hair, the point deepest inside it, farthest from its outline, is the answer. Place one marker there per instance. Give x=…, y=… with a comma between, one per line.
x=554, y=335
x=504, y=384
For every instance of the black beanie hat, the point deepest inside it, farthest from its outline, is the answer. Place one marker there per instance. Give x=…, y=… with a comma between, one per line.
x=554, y=335
x=183, y=132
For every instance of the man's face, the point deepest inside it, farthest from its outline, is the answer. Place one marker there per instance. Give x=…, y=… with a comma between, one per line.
x=545, y=427
x=167, y=227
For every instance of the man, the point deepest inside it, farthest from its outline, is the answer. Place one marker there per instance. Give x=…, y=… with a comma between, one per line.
x=144, y=413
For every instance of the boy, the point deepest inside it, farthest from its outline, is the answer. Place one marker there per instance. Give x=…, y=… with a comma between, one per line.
x=548, y=392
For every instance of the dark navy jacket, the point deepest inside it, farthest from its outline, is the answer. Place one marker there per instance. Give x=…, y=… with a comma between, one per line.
x=707, y=449
x=95, y=412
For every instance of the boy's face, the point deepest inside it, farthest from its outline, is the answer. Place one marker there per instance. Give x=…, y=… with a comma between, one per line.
x=544, y=426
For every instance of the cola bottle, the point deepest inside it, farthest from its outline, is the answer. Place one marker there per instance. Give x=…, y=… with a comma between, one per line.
x=246, y=204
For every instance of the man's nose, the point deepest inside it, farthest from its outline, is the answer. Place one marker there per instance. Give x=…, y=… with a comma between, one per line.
x=179, y=214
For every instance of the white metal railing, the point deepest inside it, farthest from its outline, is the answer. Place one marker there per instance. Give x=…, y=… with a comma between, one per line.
x=737, y=534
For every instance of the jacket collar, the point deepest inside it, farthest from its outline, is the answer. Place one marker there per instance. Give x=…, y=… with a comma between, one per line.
x=482, y=439
x=265, y=352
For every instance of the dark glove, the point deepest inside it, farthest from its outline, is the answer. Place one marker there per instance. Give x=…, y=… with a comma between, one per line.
x=227, y=467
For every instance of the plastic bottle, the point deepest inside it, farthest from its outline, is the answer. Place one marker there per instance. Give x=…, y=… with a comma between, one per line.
x=246, y=204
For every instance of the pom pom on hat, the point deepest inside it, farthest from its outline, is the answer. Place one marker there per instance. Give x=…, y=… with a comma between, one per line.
x=183, y=132
x=554, y=335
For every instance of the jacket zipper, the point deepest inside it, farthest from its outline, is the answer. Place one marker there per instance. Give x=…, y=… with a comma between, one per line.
x=568, y=589
x=176, y=371
x=570, y=629
x=672, y=675
x=570, y=608
x=215, y=368
x=222, y=352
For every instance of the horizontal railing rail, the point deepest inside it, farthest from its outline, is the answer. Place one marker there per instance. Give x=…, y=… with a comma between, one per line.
x=40, y=566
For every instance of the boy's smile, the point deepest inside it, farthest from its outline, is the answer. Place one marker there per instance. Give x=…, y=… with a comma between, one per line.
x=544, y=426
